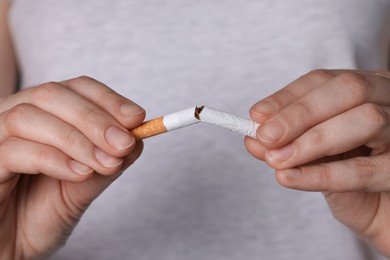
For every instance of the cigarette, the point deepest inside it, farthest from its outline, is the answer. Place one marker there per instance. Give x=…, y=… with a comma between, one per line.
x=192, y=116
x=165, y=124
x=226, y=120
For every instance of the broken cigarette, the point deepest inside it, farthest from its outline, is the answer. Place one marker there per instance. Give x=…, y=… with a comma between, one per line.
x=165, y=124
x=195, y=115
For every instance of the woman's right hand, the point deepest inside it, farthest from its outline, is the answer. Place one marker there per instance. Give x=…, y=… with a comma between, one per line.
x=61, y=145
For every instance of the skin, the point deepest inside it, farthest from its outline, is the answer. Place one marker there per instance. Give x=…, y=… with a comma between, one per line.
x=61, y=145
x=329, y=131
x=333, y=137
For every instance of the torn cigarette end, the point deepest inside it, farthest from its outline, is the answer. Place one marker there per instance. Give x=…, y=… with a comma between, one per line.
x=228, y=121
x=197, y=112
x=149, y=128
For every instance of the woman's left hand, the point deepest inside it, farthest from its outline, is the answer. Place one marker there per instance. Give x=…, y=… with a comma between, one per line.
x=329, y=131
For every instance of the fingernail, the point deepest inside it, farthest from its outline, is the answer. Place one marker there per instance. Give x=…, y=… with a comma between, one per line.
x=291, y=174
x=128, y=109
x=263, y=108
x=118, y=139
x=271, y=131
x=80, y=168
x=107, y=160
x=282, y=154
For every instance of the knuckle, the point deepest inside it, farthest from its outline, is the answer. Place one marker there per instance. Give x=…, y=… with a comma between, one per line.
x=5, y=147
x=376, y=114
x=320, y=75
x=44, y=157
x=366, y=169
x=318, y=136
x=279, y=99
x=47, y=91
x=302, y=109
x=90, y=116
x=15, y=117
x=325, y=178
x=69, y=137
x=108, y=94
x=352, y=78
x=355, y=84
x=83, y=79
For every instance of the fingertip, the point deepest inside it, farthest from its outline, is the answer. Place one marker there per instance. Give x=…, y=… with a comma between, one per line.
x=280, y=178
x=262, y=111
x=131, y=109
x=282, y=157
x=259, y=118
x=132, y=116
x=82, y=171
x=111, y=171
x=254, y=148
x=106, y=160
x=288, y=178
x=134, y=155
x=298, y=179
x=80, y=168
x=272, y=133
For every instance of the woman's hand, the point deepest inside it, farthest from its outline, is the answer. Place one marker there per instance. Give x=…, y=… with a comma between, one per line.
x=61, y=145
x=329, y=131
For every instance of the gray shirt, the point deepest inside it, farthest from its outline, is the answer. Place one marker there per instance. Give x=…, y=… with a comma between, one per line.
x=196, y=193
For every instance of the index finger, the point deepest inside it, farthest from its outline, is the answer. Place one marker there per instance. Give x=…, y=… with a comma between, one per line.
x=99, y=126
x=127, y=112
x=338, y=95
x=272, y=104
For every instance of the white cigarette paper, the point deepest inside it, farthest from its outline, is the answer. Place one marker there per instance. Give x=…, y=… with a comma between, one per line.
x=229, y=121
x=165, y=124
x=180, y=119
x=195, y=115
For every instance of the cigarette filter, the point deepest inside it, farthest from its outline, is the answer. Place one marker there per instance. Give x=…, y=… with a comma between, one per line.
x=165, y=124
x=195, y=115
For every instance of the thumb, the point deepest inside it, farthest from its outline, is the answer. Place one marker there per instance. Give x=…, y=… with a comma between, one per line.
x=82, y=194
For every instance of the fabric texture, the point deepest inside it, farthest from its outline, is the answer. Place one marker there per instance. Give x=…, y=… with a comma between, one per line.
x=196, y=193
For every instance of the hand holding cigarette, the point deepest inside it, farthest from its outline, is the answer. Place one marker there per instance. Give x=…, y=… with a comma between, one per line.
x=327, y=138
x=195, y=115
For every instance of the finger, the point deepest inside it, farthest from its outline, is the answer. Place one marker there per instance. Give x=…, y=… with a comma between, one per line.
x=133, y=156
x=124, y=110
x=337, y=96
x=84, y=193
x=355, y=174
x=303, y=85
x=271, y=105
x=254, y=148
x=69, y=202
x=95, y=123
x=27, y=121
x=367, y=125
x=22, y=156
